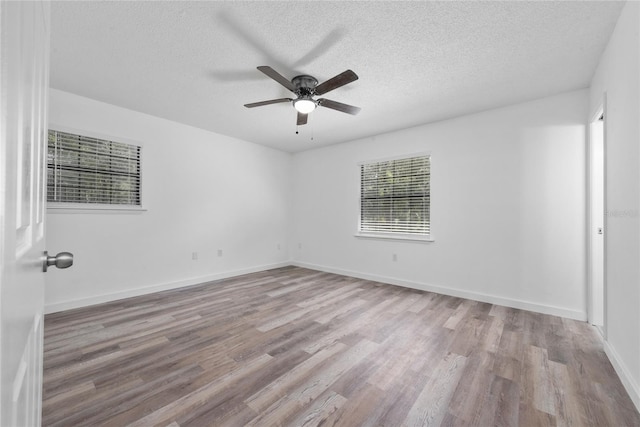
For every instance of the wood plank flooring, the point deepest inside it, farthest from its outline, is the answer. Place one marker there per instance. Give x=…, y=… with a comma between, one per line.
x=296, y=347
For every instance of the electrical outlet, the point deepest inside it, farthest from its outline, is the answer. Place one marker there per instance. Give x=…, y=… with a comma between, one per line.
x=219, y=252
x=394, y=257
x=194, y=256
x=299, y=245
x=278, y=246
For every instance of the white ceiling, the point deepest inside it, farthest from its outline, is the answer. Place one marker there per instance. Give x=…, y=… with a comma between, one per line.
x=418, y=62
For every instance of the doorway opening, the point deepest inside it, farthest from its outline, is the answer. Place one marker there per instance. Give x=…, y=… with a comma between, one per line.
x=597, y=221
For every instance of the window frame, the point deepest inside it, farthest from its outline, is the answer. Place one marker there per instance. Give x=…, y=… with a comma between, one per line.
x=425, y=238
x=75, y=208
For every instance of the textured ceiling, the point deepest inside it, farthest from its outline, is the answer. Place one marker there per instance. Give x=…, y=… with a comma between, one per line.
x=418, y=62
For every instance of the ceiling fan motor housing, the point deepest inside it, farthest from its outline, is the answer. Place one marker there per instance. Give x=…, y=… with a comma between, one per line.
x=305, y=86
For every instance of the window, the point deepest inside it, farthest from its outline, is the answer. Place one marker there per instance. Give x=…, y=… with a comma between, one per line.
x=395, y=198
x=87, y=170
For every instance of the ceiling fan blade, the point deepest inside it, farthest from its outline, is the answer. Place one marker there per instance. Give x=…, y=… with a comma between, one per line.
x=345, y=108
x=335, y=82
x=277, y=77
x=271, y=101
x=242, y=30
x=302, y=119
x=321, y=48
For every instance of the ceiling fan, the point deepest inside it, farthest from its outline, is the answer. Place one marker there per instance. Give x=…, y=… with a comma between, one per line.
x=305, y=88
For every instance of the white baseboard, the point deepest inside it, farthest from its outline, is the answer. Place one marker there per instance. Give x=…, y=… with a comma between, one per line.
x=99, y=299
x=492, y=299
x=625, y=377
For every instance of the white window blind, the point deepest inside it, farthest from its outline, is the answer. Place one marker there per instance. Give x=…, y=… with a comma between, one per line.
x=82, y=169
x=395, y=196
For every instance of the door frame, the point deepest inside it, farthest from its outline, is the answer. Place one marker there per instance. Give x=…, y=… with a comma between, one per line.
x=600, y=111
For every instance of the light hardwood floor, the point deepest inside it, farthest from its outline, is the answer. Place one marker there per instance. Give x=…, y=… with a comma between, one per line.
x=298, y=347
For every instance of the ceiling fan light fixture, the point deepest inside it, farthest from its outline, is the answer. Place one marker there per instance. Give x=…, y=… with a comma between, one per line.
x=304, y=106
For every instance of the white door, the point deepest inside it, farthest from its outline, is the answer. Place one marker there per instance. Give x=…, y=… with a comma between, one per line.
x=24, y=82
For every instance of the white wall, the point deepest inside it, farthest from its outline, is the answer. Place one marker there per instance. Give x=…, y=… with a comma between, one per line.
x=508, y=207
x=618, y=76
x=202, y=192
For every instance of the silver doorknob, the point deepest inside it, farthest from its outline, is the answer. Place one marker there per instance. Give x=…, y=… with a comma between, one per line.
x=62, y=260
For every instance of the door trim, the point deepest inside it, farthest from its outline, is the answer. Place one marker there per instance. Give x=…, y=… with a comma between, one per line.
x=600, y=110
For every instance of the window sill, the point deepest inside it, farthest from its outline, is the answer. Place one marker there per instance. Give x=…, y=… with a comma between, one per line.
x=77, y=208
x=395, y=236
